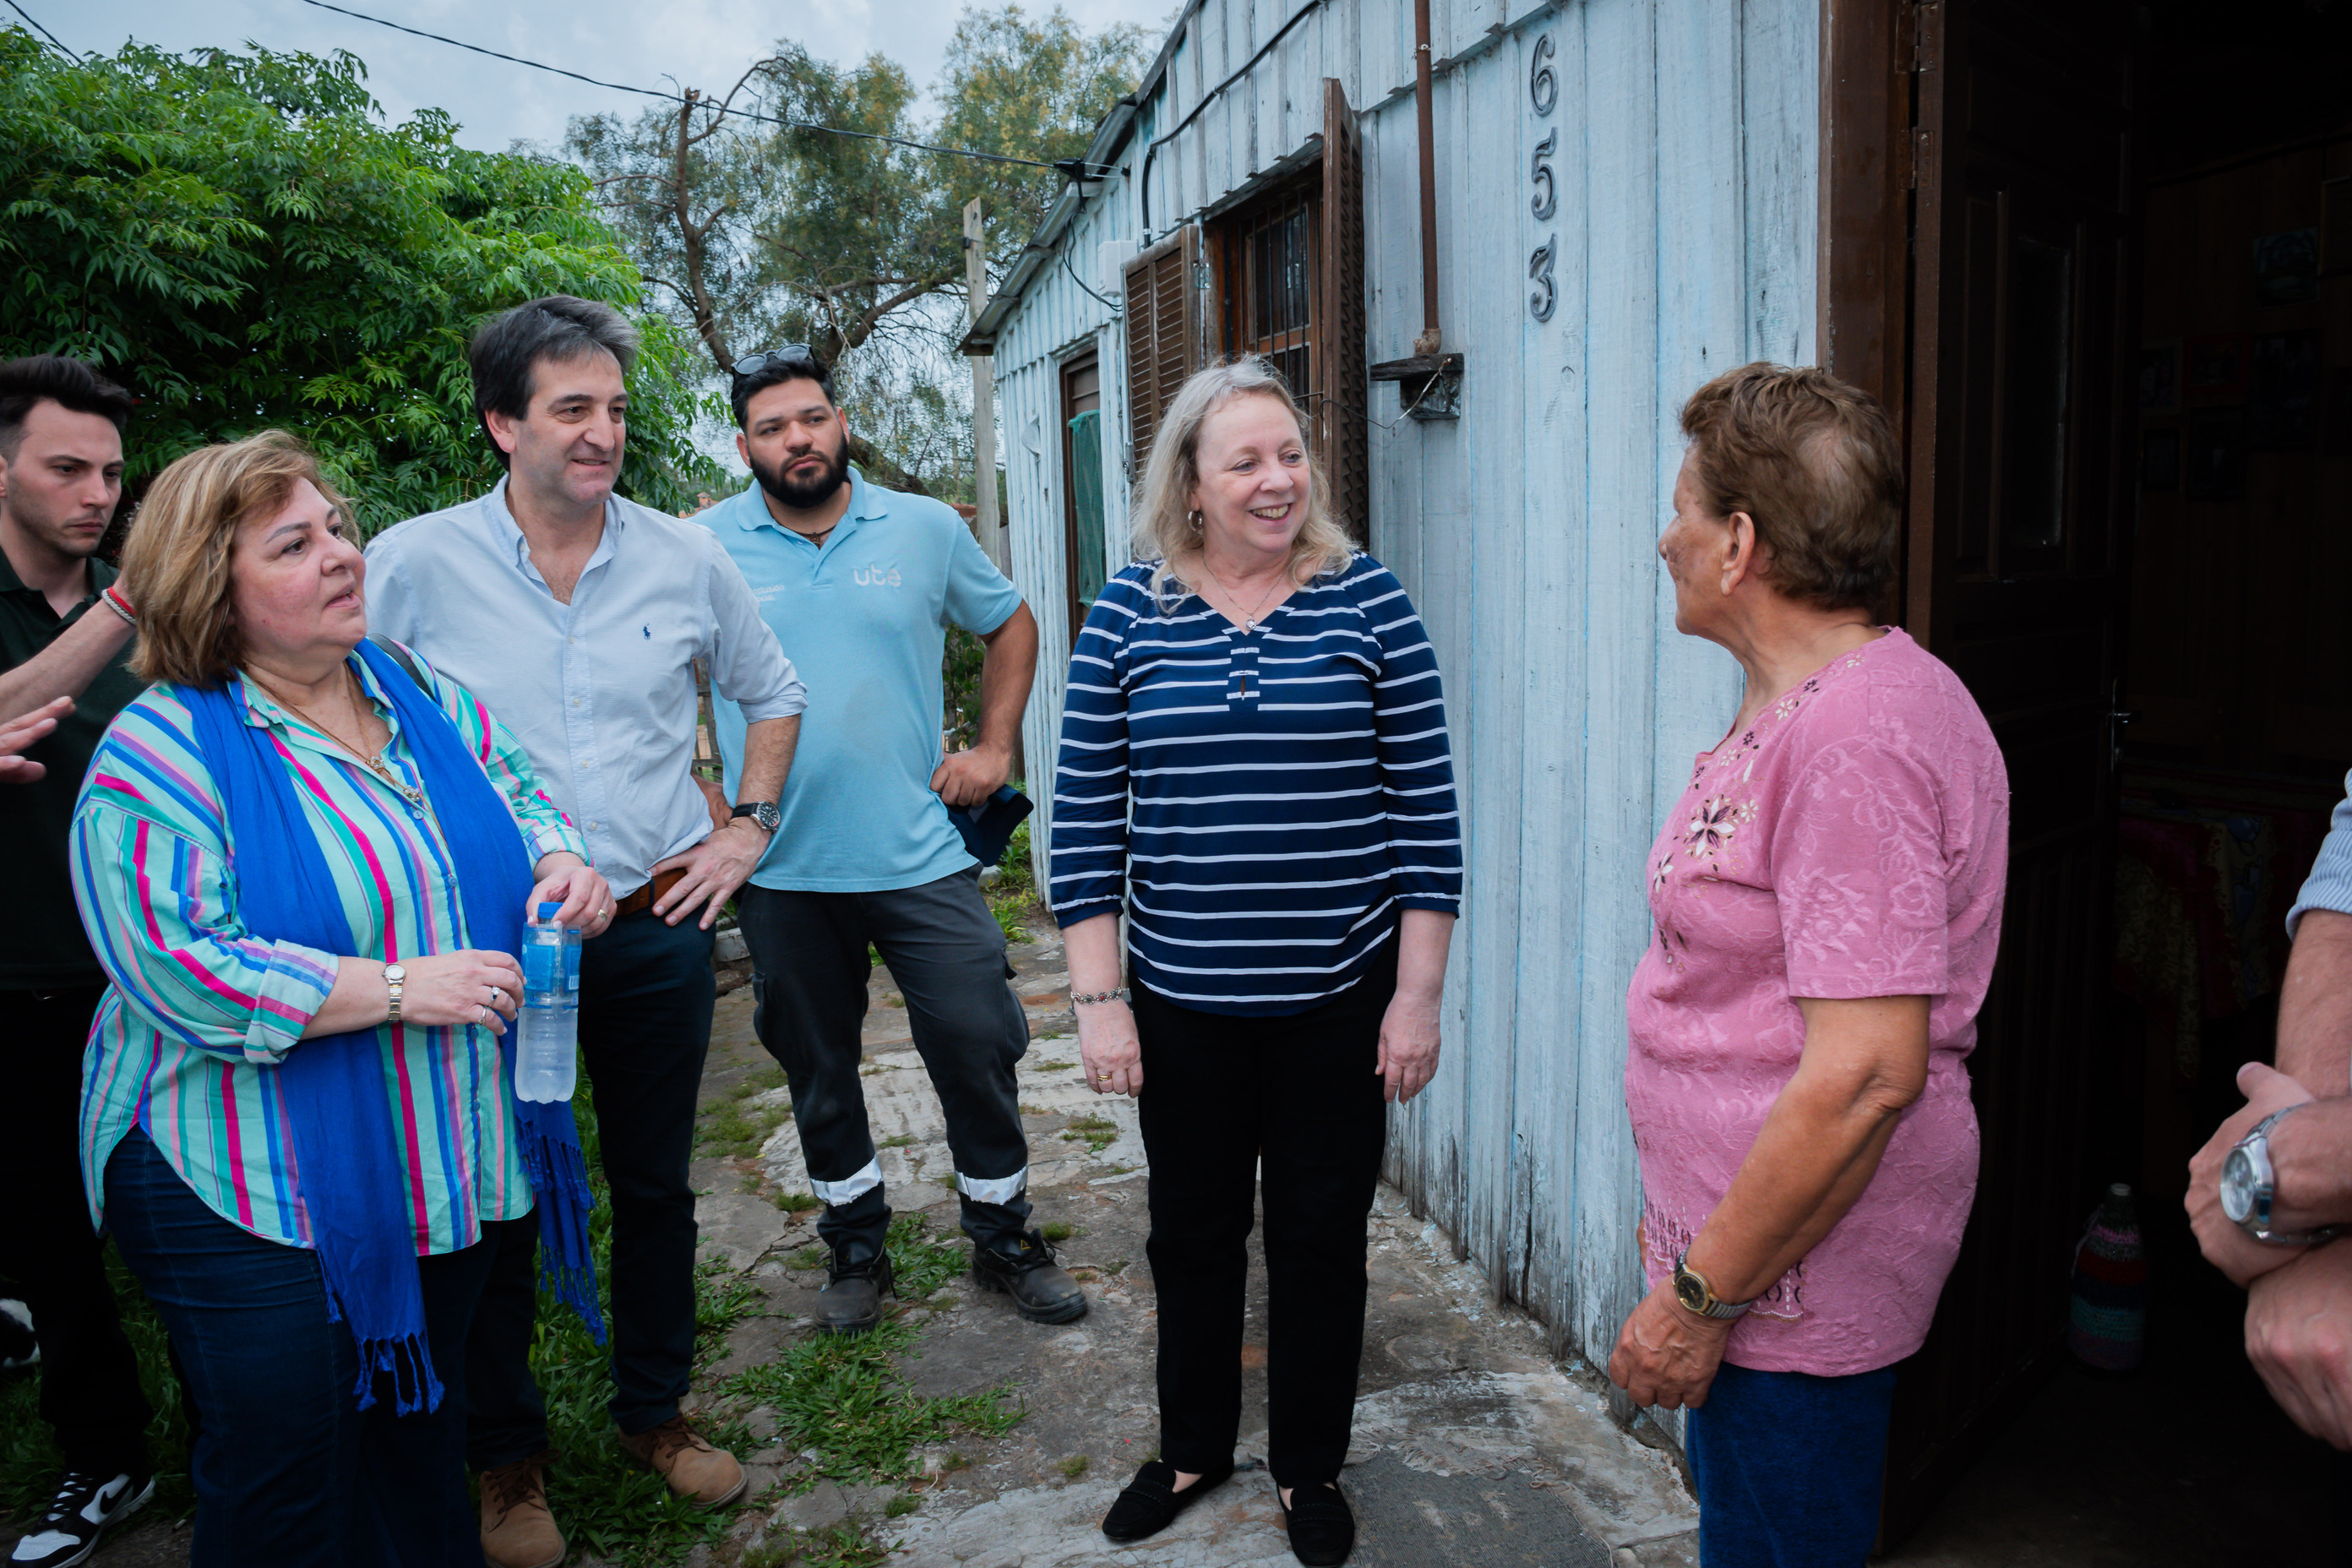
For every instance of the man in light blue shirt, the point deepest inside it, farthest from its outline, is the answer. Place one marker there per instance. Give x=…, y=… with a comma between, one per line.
x=860, y=584
x=576, y=617
x=2295, y=1175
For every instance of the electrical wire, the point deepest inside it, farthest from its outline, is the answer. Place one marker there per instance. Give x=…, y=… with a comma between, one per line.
x=678, y=97
x=42, y=31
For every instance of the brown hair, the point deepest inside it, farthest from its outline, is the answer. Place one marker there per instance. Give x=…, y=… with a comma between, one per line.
x=175, y=567
x=1814, y=463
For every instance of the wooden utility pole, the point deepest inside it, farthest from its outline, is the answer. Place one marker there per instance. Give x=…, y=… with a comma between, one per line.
x=985, y=523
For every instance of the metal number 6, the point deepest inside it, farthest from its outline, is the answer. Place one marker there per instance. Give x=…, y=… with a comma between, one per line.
x=1544, y=204
x=1543, y=84
x=1542, y=305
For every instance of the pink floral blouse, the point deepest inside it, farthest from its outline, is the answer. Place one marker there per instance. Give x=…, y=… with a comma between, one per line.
x=1852, y=842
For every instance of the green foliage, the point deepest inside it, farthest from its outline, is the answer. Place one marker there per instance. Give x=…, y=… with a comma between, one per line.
x=797, y=1203
x=843, y=1398
x=243, y=242
x=751, y=235
x=1097, y=1133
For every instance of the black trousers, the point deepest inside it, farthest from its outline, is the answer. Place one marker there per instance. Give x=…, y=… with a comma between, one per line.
x=50, y=1254
x=1293, y=1103
x=645, y=997
x=947, y=953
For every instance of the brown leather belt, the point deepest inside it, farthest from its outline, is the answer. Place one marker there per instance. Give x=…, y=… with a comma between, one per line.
x=649, y=894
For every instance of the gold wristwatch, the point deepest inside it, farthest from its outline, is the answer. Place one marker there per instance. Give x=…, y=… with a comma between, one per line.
x=1698, y=1296
x=393, y=974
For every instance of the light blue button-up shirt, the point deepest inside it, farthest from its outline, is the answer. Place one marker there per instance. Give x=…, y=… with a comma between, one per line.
x=2329, y=885
x=867, y=617
x=600, y=692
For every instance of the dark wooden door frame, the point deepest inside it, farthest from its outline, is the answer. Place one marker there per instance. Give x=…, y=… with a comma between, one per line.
x=1887, y=323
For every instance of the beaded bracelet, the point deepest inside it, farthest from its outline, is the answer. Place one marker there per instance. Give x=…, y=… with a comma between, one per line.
x=1078, y=998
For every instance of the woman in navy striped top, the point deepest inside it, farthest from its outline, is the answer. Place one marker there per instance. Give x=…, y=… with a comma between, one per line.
x=1255, y=770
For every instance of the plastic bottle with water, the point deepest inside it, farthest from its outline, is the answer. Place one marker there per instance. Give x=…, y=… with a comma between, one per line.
x=547, y=1027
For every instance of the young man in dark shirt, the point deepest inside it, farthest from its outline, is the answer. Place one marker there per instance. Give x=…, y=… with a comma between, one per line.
x=60, y=476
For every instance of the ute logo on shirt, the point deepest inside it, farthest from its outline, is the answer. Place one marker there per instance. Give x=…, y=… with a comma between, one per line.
x=875, y=576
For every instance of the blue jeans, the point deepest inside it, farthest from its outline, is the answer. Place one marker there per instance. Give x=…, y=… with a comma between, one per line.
x=1789, y=1466
x=289, y=1470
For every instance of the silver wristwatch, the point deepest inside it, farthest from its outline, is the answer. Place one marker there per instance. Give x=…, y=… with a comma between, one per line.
x=2250, y=1186
x=393, y=975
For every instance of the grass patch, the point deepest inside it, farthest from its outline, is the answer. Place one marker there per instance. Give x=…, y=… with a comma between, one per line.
x=736, y=1129
x=1009, y=908
x=1060, y=1230
x=902, y=1505
x=1073, y=1467
x=902, y=1141
x=839, y=1547
x=1097, y=1133
x=797, y=1203
x=809, y=1257
x=843, y=1400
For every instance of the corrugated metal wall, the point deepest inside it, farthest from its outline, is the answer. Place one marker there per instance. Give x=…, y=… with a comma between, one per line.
x=1685, y=161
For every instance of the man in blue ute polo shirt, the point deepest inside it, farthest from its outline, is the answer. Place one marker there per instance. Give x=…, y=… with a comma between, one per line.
x=858, y=584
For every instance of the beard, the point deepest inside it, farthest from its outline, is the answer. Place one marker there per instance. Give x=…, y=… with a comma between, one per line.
x=806, y=496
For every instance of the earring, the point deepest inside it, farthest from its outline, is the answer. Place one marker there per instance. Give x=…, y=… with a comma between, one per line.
x=1194, y=519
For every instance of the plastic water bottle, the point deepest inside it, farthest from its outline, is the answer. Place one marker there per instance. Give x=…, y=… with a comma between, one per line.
x=546, y=1030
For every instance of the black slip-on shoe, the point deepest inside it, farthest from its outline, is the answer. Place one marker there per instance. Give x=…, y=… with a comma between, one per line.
x=1152, y=1502
x=1023, y=1267
x=85, y=1508
x=1322, y=1526
x=850, y=1302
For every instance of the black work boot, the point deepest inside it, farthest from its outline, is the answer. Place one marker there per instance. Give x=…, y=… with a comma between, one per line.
x=1022, y=1265
x=850, y=1302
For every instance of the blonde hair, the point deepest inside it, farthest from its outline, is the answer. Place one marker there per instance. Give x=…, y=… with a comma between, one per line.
x=1160, y=522
x=176, y=566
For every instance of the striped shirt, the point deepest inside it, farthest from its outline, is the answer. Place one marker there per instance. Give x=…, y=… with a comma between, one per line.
x=201, y=1010
x=1262, y=806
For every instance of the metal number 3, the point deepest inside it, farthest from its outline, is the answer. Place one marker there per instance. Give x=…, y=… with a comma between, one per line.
x=1543, y=83
x=1540, y=304
x=1546, y=201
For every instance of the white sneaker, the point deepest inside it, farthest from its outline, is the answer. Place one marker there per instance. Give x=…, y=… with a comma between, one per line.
x=85, y=1506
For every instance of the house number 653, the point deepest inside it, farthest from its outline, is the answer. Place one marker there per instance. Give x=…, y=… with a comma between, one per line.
x=1543, y=96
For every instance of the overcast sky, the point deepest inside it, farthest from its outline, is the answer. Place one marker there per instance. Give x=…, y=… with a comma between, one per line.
x=704, y=43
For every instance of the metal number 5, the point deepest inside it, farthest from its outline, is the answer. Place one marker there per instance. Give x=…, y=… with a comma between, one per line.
x=1540, y=303
x=1546, y=202
x=1543, y=83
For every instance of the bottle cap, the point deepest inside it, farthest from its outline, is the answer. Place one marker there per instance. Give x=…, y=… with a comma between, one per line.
x=546, y=911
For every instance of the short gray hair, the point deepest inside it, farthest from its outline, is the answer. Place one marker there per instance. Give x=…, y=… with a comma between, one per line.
x=1159, y=524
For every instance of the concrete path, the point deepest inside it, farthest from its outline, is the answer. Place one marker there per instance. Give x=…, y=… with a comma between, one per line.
x=1472, y=1447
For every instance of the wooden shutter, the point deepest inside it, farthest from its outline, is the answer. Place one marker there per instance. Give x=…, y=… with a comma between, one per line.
x=1163, y=336
x=1340, y=412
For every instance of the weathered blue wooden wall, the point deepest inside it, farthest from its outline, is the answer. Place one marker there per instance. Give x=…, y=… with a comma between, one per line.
x=1685, y=162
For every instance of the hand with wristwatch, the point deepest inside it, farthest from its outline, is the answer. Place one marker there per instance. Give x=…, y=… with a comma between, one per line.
x=2250, y=1187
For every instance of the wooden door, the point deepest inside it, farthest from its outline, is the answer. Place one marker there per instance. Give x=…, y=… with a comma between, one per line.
x=2019, y=287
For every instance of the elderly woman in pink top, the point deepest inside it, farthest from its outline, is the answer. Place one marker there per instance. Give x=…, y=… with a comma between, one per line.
x=1827, y=903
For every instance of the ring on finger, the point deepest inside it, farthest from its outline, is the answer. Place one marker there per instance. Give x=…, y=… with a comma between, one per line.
x=481, y=1015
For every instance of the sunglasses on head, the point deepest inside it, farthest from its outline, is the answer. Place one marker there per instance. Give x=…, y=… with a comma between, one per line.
x=790, y=356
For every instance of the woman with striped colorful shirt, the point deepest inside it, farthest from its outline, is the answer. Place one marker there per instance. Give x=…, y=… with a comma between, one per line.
x=304, y=862
x=1255, y=771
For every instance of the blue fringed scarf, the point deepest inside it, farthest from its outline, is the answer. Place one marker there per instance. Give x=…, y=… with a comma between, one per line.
x=338, y=1108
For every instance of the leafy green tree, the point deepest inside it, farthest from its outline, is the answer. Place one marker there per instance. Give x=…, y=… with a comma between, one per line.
x=245, y=243
x=752, y=234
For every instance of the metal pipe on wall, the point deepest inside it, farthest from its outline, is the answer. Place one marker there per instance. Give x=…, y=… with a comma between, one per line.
x=1430, y=342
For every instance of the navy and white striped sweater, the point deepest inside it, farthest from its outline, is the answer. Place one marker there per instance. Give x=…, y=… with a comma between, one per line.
x=1263, y=805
